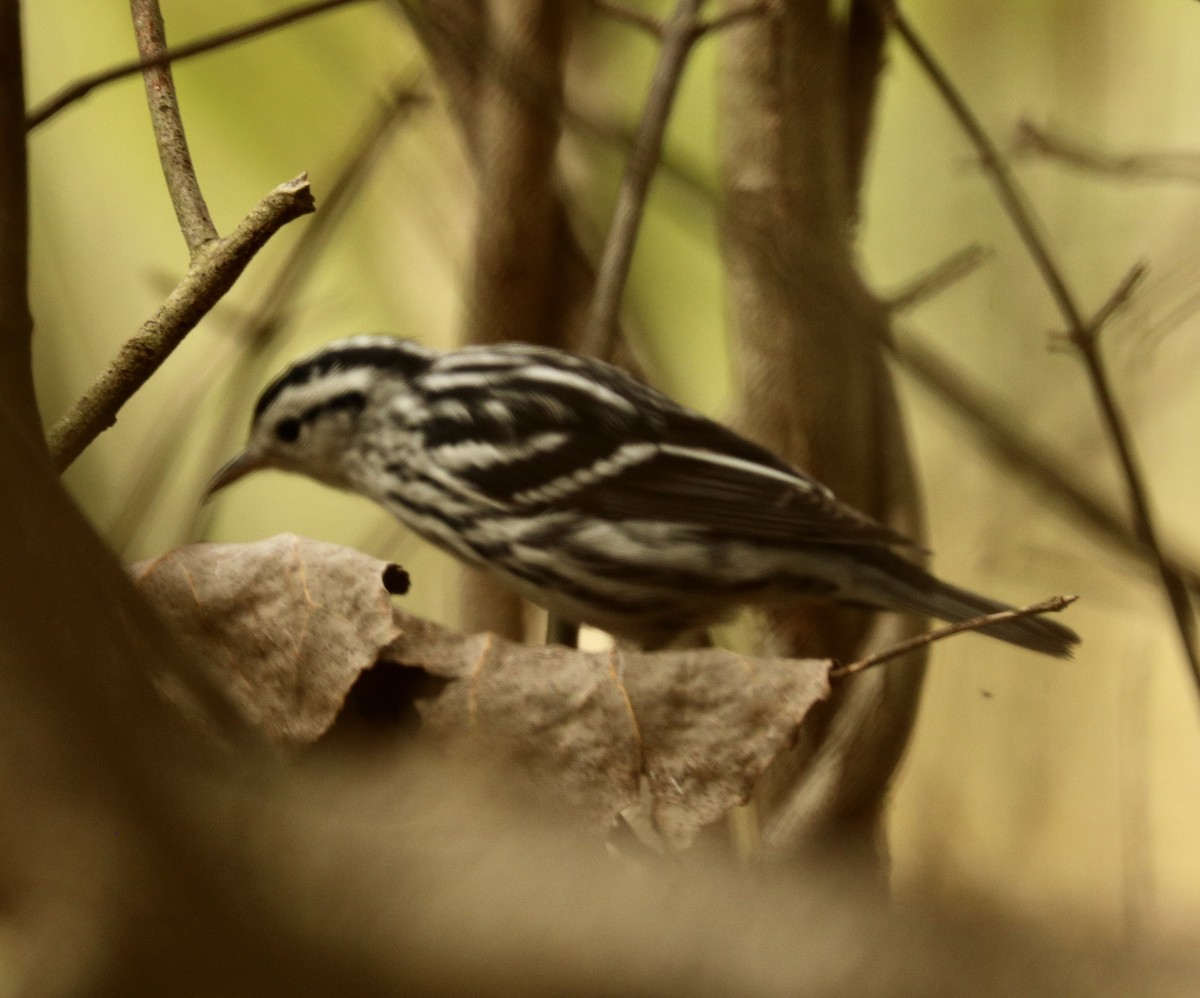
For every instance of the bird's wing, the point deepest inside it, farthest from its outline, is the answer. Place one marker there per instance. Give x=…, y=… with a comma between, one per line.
x=561, y=434
x=732, y=497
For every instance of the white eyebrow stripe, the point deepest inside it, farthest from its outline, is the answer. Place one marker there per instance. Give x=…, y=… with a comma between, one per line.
x=304, y=394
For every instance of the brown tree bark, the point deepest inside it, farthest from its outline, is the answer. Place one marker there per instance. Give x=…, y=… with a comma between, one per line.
x=798, y=90
x=502, y=65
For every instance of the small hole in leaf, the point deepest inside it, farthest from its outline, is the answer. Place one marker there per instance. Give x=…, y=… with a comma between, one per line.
x=395, y=580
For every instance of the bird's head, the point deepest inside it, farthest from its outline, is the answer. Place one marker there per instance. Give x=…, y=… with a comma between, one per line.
x=307, y=419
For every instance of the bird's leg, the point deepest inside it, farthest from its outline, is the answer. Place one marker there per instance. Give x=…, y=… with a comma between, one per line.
x=560, y=631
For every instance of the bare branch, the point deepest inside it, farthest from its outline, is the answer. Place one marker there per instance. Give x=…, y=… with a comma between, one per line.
x=215, y=263
x=73, y=92
x=212, y=273
x=865, y=38
x=1009, y=192
x=1082, y=333
x=678, y=36
x=1116, y=301
x=1007, y=441
x=194, y=220
x=17, y=404
x=989, y=417
x=736, y=16
x=803, y=315
x=1031, y=140
x=518, y=260
x=937, y=279
x=653, y=26
x=1052, y=605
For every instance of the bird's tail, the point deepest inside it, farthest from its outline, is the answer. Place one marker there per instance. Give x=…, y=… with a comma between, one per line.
x=891, y=582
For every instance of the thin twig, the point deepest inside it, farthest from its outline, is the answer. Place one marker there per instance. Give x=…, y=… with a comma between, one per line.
x=736, y=16
x=1116, y=301
x=18, y=406
x=214, y=266
x=1029, y=139
x=1052, y=605
x=988, y=416
x=194, y=220
x=678, y=37
x=1006, y=441
x=1010, y=194
x=1082, y=333
x=653, y=26
x=212, y=273
x=82, y=87
x=938, y=278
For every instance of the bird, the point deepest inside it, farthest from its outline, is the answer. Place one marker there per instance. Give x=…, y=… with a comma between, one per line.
x=589, y=492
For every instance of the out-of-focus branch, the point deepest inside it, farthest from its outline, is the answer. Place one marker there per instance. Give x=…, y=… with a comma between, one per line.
x=631, y=16
x=501, y=64
x=656, y=27
x=16, y=325
x=815, y=388
x=679, y=34
x=866, y=35
x=215, y=268
x=736, y=15
x=1007, y=441
x=1004, y=438
x=1032, y=140
x=194, y=220
x=502, y=70
x=517, y=125
x=1082, y=332
x=81, y=88
x=938, y=278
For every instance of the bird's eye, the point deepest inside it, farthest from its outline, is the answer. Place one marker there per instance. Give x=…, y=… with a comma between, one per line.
x=288, y=430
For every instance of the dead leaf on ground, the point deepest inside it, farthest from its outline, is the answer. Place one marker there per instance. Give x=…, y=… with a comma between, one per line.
x=287, y=624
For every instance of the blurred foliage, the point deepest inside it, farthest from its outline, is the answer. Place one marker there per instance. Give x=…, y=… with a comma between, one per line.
x=1068, y=791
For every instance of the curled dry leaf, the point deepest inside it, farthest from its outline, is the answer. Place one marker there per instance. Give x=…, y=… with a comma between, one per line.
x=286, y=624
x=699, y=726
x=290, y=625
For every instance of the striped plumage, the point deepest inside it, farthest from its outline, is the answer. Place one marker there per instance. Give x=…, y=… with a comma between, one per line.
x=591, y=493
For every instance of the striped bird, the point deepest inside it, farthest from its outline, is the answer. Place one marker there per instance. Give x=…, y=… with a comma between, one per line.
x=590, y=493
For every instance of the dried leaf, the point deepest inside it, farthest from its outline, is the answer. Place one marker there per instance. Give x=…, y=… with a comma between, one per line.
x=287, y=624
x=698, y=726
x=290, y=625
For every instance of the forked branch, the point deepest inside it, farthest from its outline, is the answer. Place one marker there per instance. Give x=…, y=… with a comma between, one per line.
x=677, y=35
x=215, y=263
x=1083, y=333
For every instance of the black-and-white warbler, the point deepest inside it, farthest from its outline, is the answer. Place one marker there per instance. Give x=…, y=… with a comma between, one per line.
x=591, y=493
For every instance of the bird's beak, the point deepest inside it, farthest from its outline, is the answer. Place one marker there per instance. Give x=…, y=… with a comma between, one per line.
x=246, y=462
